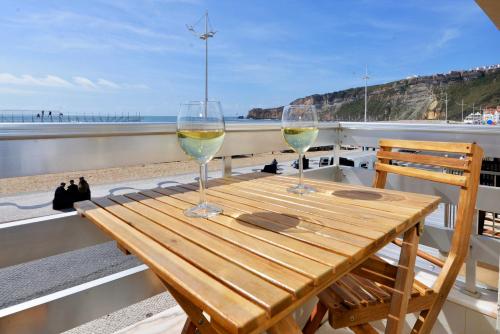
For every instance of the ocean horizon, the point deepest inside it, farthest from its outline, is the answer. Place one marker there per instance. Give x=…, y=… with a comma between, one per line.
x=82, y=118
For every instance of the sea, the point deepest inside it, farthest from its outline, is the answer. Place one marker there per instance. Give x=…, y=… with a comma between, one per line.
x=69, y=118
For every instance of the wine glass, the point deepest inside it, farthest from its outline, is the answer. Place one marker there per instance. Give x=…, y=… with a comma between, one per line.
x=200, y=131
x=299, y=126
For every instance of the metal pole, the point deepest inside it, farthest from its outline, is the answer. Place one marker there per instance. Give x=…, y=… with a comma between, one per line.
x=462, y=110
x=206, y=62
x=366, y=91
x=226, y=166
x=446, y=106
x=206, y=83
x=498, y=303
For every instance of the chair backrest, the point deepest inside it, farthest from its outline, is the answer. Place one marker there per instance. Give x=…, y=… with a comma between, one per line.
x=468, y=163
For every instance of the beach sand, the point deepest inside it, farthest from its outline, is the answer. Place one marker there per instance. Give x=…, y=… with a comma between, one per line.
x=17, y=185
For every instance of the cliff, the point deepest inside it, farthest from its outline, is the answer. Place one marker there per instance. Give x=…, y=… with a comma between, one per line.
x=415, y=98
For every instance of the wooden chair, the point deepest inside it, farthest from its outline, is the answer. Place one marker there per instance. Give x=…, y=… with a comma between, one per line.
x=367, y=293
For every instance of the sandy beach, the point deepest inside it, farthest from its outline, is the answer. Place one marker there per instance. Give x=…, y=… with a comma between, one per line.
x=16, y=185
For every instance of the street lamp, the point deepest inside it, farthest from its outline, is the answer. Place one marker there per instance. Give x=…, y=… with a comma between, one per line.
x=209, y=33
x=366, y=77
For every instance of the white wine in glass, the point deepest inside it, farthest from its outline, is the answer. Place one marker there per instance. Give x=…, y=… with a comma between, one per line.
x=299, y=126
x=200, y=131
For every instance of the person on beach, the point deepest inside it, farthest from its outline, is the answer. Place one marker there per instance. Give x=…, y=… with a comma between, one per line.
x=60, y=198
x=83, y=189
x=73, y=192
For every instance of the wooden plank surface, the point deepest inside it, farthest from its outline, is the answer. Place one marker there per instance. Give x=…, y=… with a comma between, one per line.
x=449, y=147
x=268, y=252
x=310, y=251
x=455, y=180
x=265, y=294
x=424, y=159
x=274, y=246
x=285, y=272
x=226, y=306
x=401, y=205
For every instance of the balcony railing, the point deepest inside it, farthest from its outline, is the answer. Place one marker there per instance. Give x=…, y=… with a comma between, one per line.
x=32, y=149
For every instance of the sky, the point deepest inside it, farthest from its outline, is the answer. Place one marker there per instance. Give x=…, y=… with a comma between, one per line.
x=137, y=56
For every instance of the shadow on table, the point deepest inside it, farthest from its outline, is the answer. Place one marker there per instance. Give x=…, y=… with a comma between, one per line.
x=367, y=195
x=271, y=221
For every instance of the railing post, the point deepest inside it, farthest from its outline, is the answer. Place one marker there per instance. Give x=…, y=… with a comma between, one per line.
x=227, y=168
x=471, y=263
x=337, y=172
x=447, y=215
x=498, y=301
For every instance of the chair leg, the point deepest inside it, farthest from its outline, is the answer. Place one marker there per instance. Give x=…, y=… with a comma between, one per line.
x=403, y=283
x=363, y=329
x=315, y=318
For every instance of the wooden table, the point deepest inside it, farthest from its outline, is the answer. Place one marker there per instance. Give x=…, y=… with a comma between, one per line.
x=247, y=270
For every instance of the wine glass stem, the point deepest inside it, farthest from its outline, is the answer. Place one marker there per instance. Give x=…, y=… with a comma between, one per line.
x=301, y=169
x=203, y=183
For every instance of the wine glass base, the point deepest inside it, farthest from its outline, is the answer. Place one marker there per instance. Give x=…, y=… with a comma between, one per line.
x=203, y=210
x=301, y=189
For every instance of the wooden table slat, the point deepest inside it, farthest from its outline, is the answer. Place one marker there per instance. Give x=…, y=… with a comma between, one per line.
x=414, y=200
x=226, y=306
x=230, y=230
x=267, y=220
x=367, y=215
x=231, y=275
x=365, y=198
x=267, y=253
x=253, y=287
x=317, y=254
x=354, y=231
x=353, y=219
x=282, y=276
x=290, y=220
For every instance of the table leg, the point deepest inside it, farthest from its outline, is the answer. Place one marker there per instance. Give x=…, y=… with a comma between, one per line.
x=285, y=326
x=315, y=318
x=189, y=327
x=404, y=282
x=195, y=315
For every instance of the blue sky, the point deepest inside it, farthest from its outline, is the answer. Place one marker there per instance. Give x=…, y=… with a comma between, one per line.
x=137, y=56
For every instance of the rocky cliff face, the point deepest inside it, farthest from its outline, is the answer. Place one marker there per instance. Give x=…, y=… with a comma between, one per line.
x=414, y=98
x=268, y=113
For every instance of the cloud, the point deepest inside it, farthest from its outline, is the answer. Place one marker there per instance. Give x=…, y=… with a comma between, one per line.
x=444, y=38
x=53, y=81
x=84, y=82
x=447, y=36
x=29, y=80
x=88, y=22
x=56, y=30
x=107, y=84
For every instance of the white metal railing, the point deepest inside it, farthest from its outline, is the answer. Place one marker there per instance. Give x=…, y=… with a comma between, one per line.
x=32, y=149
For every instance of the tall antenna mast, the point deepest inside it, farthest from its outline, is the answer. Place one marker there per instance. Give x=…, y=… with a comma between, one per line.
x=366, y=77
x=209, y=32
x=446, y=106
